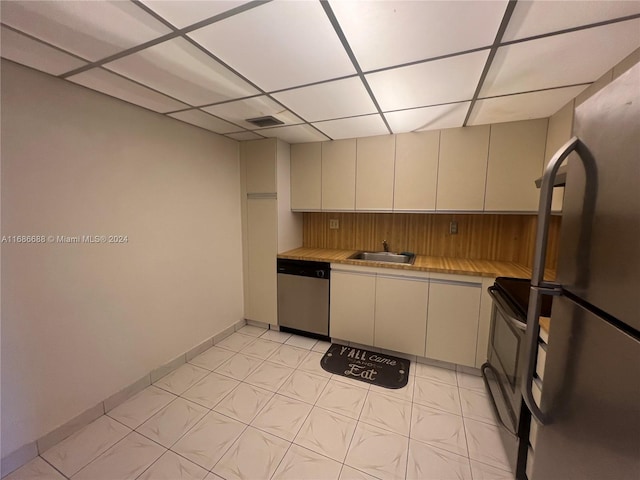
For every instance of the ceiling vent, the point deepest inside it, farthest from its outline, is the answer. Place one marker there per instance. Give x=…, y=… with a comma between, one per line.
x=267, y=121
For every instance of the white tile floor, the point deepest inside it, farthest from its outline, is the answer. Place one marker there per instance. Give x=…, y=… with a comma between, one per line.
x=259, y=406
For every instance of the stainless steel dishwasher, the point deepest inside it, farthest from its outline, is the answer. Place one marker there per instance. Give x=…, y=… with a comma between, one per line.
x=303, y=297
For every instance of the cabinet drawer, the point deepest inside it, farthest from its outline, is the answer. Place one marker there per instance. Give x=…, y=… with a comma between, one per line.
x=542, y=359
x=529, y=466
x=533, y=433
x=536, y=390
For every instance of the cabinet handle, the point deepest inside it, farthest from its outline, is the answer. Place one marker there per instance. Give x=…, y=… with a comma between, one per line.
x=538, y=286
x=403, y=277
x=454, y=282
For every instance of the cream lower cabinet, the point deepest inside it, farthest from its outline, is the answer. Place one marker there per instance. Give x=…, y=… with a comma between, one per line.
x=484, y=322
x=401, y=313
x=452, y=327
x=262, y=243
x=352, y=308
x=418, y=313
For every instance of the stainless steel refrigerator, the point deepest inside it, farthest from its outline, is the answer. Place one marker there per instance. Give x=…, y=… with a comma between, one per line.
x=589, y=412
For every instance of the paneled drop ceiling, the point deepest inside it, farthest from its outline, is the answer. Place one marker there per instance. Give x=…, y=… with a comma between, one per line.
x=328, y=70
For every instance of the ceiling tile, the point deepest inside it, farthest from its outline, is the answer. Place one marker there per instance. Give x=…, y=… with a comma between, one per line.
x=365, y=126
x=124, y=89
x=538, y=17
x=295, y=134
x=187, y=12
x=384, y=34
x=342, y=98
x=238, y=112
x=440, y=81
x=181, y=70
x=204, y=120
x=559, y=60
x=92, y=30
x=428, y=118
x=523, y=106
x=279, y=45
x=29, y=52
x=242, y=136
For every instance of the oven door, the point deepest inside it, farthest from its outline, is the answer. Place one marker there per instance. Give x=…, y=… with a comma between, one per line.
x=502, y=374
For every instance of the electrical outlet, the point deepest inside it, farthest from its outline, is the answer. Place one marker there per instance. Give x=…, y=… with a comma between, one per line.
x=334, y=224
x=453, y=227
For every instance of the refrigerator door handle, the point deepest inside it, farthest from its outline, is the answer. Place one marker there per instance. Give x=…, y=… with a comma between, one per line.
x=537, y=281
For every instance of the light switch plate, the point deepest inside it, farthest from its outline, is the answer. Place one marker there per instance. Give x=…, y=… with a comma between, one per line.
x=334, y=224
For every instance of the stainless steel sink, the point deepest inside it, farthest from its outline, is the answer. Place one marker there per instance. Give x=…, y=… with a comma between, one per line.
x=383, y=257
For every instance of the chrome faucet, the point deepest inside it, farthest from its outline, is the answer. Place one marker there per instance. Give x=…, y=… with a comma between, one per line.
x=385, y=245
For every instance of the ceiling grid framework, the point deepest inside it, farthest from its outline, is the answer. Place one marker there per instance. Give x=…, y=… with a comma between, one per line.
x=327, y=70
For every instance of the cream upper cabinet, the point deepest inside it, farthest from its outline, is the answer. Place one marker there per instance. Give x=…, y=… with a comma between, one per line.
x=352, y=307
x=401, y=314
x=462, y=168
x=339, y=175
x=558, y=133
x=374, y=172
x=452, y=326
x=306, y=175
x=259, y=157
x=416, y=171
x=516, y=158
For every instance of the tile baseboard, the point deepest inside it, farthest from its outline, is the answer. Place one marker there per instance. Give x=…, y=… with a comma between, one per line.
x=197, y=350
x=116, y=399
x=255, y=323
x=28, y=452
x=18, y=458
x=66, y=430
x=167, y=368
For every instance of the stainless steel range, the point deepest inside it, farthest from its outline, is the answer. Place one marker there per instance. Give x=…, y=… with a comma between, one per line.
x=503, y=373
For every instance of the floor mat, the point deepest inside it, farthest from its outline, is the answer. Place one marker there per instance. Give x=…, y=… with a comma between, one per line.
x=370, y=367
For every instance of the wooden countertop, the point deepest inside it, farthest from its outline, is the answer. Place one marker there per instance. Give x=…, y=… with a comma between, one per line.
x=423, y=263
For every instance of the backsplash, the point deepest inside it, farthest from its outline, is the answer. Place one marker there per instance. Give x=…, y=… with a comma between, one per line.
x=502, y=237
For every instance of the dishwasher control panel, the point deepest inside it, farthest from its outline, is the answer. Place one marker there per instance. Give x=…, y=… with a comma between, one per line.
x=304, y=268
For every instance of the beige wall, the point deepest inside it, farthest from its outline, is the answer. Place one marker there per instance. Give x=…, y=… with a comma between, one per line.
x=82, y=321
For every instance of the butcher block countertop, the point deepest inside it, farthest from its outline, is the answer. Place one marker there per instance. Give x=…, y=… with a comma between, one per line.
x=423, y=263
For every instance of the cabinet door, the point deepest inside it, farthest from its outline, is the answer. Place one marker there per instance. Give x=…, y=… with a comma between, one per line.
x=484, y=322
x=339, y=175
x=462, y=168
x=416, y=171
x=259, y=157
x=352, y=307
x=401, y=314
x=516, y=157
x=559, y=132
x=374, y=172
x=262, y=245
x=306, y=176
x=452, y=326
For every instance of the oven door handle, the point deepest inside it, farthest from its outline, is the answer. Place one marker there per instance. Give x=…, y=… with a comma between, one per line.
x=505, y=310
x=487, y=367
